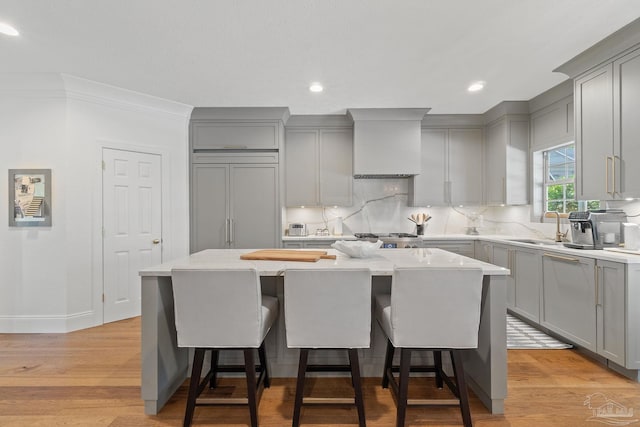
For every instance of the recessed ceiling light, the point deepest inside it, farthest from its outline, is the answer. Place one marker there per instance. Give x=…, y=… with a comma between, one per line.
x=476, y=86
x=316, y=87
x=8, y=30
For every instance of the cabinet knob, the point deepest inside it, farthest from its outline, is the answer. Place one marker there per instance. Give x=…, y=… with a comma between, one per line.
x=156, y=241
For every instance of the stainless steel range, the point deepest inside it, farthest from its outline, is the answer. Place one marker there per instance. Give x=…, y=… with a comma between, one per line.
x=392, y=240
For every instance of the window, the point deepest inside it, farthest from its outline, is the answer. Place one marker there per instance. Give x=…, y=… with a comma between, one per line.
x=559, y=181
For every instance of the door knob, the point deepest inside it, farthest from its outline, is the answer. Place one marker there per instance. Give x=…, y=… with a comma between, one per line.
x=156, y=241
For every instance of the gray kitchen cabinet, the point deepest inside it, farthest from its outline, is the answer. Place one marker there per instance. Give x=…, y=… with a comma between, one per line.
x=553, y=125
x=234, y=206
x=608, y=130
x=319, y=167
x=483, y=251
x=460, y=247
x=506, y=161
x=569, y=298
x=503, y=256
x=213, y=128
x=309, y=244
x=610, y=310
x=527, y=273
x=451, y=168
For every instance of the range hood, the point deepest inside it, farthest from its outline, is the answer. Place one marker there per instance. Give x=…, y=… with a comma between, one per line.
x=386, y=141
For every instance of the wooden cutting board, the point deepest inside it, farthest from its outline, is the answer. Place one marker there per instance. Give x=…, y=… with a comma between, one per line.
x=287, y=255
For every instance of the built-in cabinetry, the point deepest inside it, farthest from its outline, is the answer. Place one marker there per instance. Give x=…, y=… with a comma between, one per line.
x=610, y=310
x=307, y=244
x=318, y=162
x=461, y=247
x=569, y=298
x=451, y=168
x=506, y=160
x=608, y=131
x=234, y=205
x=235, y=181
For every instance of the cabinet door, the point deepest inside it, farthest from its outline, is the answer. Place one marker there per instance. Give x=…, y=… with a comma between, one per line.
x=301, y=163
x=594, y=135
x=517, y=162
x=465, y=166
x=207, y=135
x=483, y=251
x=254, y=206
x=336, y=167
x=610, y=311
x=429, y=187
x=502, y=256
x=209, y=206
x=569, y=298
x=528, y=277
x=626, y=81
x=495, y=161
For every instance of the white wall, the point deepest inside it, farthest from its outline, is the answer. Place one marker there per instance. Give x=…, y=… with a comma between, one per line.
x=51, y=278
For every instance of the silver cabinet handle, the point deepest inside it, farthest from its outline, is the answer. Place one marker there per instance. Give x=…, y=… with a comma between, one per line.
x=606, y=174
x=597, y=276
x=230, y=230
x=226, y=230
x=561, y=258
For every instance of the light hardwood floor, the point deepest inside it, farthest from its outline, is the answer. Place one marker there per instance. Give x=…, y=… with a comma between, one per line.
x=92, y=378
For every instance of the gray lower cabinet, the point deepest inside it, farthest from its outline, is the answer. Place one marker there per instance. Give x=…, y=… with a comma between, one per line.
x=234, y=206
x=308, y=244
x=527, y=274
x=460, y=247
x=502, y=257
x=569, y=296
x=610, y=310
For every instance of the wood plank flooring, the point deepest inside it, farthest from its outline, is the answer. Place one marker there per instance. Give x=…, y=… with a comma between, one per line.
x=92, y=378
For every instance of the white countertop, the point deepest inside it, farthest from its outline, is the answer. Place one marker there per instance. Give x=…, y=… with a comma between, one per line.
x=545, y=245
x=381, y=264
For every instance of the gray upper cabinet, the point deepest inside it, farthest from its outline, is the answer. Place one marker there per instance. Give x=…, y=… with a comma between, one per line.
x=506, y=161
x=607, y=101
x=553, y=125
x=451, y=168
x=237, y=128
x=594, y=135
x=319, y=166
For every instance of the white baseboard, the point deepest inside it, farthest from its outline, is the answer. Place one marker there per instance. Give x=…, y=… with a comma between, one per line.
x=25, y=324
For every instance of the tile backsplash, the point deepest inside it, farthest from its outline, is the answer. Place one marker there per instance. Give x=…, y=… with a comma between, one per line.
x=380, y=205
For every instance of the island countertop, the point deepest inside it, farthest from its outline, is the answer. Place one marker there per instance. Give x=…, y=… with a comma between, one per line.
x=165, y=365
x=381, y=264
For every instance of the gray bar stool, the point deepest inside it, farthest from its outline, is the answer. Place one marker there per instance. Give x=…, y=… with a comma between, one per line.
x=430, y=309
x=223, y=309
x=328, y=309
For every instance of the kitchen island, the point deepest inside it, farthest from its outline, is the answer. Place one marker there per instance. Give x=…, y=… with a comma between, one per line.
x=165, y=366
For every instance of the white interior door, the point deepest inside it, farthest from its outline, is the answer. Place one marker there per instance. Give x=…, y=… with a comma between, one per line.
x=132, y=225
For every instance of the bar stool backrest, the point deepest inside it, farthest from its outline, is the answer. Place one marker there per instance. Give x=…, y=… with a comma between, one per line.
x=327, y=308
x=217, y=307
x=436, y=308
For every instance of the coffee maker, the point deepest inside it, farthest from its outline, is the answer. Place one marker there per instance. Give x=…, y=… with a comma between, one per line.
x=596, y=229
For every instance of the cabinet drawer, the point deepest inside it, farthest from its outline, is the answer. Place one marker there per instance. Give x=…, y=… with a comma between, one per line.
x=230, y=136
x=458, y=247
x=236, y=157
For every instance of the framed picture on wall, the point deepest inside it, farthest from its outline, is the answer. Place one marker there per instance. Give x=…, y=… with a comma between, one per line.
x=29, y=197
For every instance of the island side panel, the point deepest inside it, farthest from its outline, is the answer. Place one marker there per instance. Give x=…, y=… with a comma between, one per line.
x=486, y=366
x=164, y=364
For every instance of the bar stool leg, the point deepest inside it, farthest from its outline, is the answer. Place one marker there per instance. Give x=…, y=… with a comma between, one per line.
x=388, y=361
x=357, y=385
x=461, y=383
x=263, y=363
x=302, y=369
x=250, y=372
x=194, y=384
x=403, y=385
x=213, y=382
x=437, y=361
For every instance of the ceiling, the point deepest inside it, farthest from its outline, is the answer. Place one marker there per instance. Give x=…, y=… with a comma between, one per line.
x=367, y=53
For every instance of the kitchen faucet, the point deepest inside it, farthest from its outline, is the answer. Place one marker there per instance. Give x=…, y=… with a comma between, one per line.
x=559, y=235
